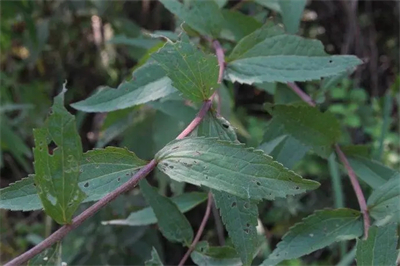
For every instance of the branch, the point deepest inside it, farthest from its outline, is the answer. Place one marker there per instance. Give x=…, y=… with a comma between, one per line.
x=353, y=178
x=200, y=231
x=131, y=183
x=221, y=59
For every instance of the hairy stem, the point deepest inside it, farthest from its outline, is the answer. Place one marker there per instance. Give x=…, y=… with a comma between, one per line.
x=200, y=231
x=221, y=59
x=89, y=212
x=353, y=178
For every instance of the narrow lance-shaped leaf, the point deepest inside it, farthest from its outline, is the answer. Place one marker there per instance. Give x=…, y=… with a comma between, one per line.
x=148, y=83
x=292, y=11
x=238, y=215
x=57, y=174
x=192, y=72
x=281, y=57
x=102, y=171
x=155, y=259
x=185, y=202
x=245, y=173
x=315, y=232
x=173, y=224
x=383, y=204
x=380, y=247
x=203, y=16
x=309, y=126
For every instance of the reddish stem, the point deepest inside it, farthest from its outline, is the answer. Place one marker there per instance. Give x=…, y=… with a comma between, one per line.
x=89, y=212
x=304, y=96
x=221, y=59
x=353, y=178
x=199, y=232
x=357, y=189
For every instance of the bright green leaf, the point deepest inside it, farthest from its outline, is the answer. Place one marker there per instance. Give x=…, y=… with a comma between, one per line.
x=292, y=11
x=383, y=204
x=185, y=202
x=102, y=171
x=192, y=72
x=149, y=83
x=245, y=173
x=173, y=224
x=309, y=126
x=203, y=16
x=155, y=259
x=380, y=247
x=370, y=171
x=267, y=55
x=315, y=232
x=215, y=256
x=56, y=174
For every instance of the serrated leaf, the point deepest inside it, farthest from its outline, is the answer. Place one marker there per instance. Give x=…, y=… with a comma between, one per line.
x=172, y=223
x=246, y=173
x=155, y=259
x=237, y=25
x=185, y=202
x=56, y=174
x=371, y=172
x=309, y=126
x=240, y=219
x=283, y=58
x=380, y=247
x=49, y=257
x=292, y=11
x=148, y=83
x=203, y=16
x=192, y=72
x=315, y=232
x=238, y=215
x=215, y=256
x=102, y=171
x=383, y=204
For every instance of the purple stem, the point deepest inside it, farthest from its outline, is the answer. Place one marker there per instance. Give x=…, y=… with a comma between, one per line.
x=221, y=59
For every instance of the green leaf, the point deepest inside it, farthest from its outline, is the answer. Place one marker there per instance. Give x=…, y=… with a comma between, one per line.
x=316, y=231
x=185, y=202
x=237, y=25
x=309, y=126
x=203, y=16
x=215, y=256
x=102, y=171
x=292, y=10
x=267, y=55
x=380, y=247
x=271, y=4
x=149, y=83
x=155, y=259
x=370, y=171
x=56, y=174
x=245, y=173
x=49, y=257
x=383, y=204
x=240, y=219
x=173, y=224
x=138, y=42
x=193, y=73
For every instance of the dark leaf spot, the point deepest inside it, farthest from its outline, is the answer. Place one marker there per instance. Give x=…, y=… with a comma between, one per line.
x=258, y=183
x=119, y=179
x=86, y=184
x=225, y=125
x=233, y=204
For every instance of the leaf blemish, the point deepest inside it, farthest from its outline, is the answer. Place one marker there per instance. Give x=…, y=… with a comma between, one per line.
x=86, y=184
x=233, y=204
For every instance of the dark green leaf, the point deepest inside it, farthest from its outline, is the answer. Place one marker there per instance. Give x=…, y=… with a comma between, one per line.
x=138, y=42
x=192, y=72
x=238, y=25
x=309, y=126
x=56, y=174
x=49, y=257
x=380, y=247
x=173, y=224
x=215, y=256
x=246, y=173
x=102, y=171
x=383, y=204
x=292, y=11
x=155, y=259
x=315, y=232
x=203, y=16
x=149, y=83
x=185, y=202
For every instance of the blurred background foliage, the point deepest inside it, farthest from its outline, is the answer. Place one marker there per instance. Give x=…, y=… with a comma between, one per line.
x=91, y=43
